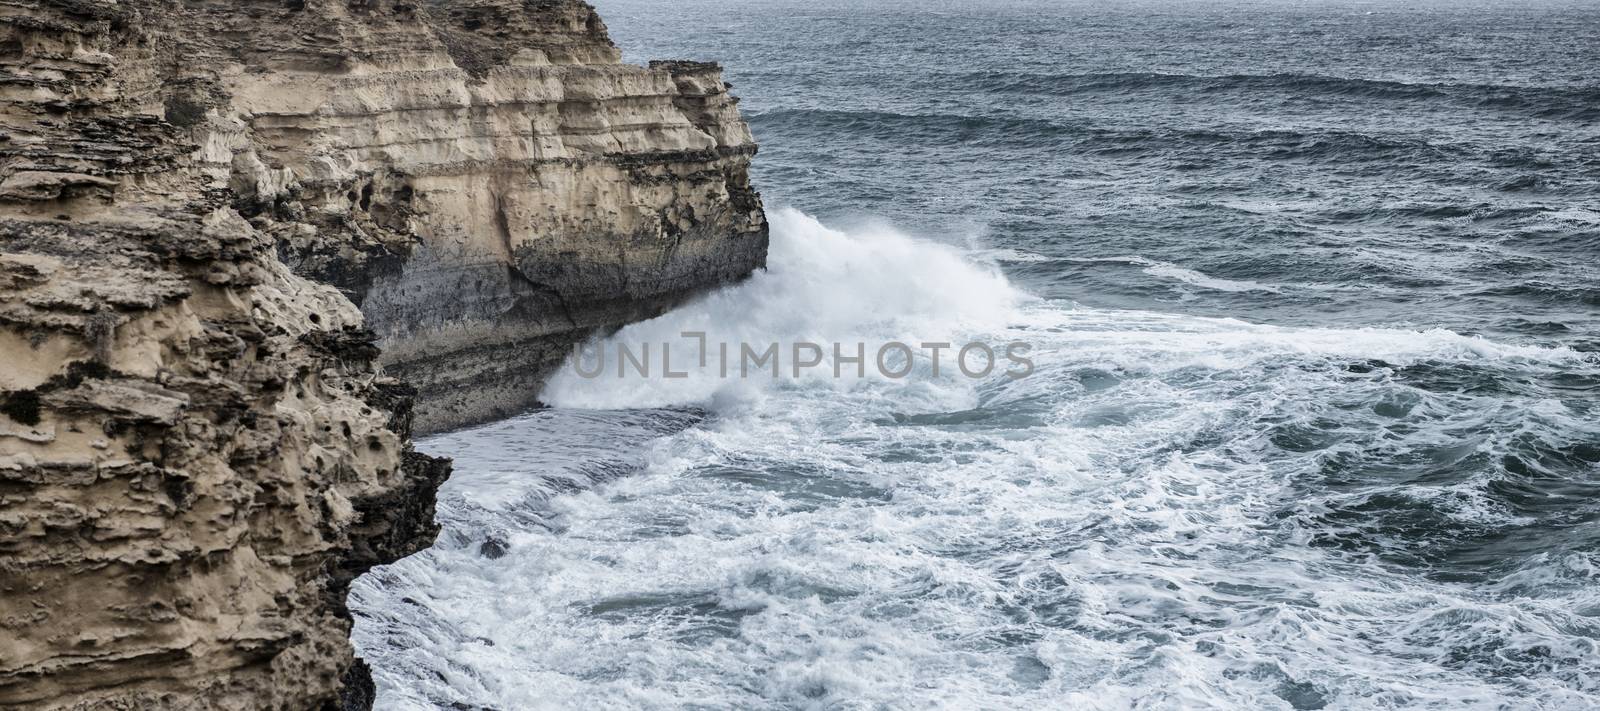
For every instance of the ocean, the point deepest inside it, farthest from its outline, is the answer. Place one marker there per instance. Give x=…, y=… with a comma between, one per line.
x=1312, y=295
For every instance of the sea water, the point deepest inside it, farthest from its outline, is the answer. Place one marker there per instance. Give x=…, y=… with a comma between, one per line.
x=1311, y=296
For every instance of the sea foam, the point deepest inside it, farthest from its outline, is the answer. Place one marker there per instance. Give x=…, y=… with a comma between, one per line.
x=1173, y=511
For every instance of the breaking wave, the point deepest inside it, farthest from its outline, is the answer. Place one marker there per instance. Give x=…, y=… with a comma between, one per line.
x=1172, y=510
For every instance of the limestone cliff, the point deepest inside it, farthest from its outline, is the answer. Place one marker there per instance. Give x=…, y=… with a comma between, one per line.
x=225, y=227
x=484, y=179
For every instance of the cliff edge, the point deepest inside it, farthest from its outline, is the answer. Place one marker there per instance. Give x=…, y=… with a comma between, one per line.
x=246, y=247
x=487, y=181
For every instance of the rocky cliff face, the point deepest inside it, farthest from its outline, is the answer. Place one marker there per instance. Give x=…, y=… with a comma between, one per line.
x=484, y=179
x=225, y=227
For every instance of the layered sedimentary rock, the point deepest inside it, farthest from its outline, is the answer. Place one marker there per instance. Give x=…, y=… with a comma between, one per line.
x=233, y=236
x=488, y=183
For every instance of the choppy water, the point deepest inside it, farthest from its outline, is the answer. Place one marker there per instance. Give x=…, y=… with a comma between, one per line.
x=1315, y=305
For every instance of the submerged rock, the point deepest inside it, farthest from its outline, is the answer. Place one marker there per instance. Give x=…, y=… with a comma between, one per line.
x=494, y=548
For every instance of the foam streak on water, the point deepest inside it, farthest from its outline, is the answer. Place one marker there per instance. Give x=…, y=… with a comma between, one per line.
x=1173, y=512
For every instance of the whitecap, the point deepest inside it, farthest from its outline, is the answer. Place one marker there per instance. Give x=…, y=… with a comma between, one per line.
x=1120, y=529
x=1168, y=270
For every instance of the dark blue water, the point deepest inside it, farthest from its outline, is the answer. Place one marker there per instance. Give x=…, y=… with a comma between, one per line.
x=1418, y=164
x=1315, y=294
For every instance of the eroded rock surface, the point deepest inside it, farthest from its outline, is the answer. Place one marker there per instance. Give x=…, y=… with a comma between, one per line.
x=226, y=227
x=487, y=182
